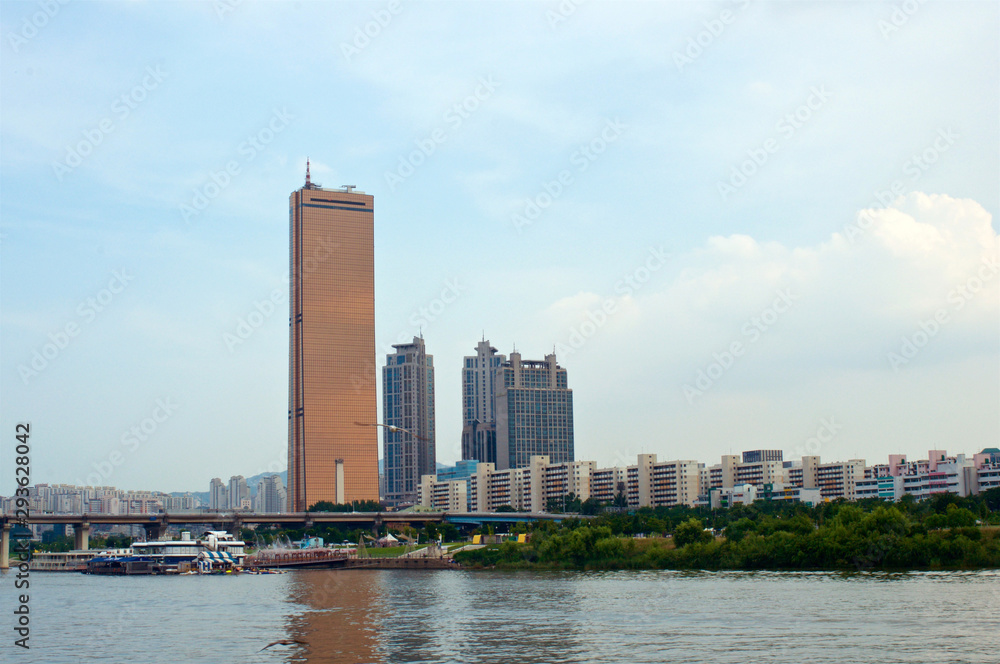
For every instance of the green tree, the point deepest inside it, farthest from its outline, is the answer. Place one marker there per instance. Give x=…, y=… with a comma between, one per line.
x=738, y=530
x=449, y=532
x=992, y=499
x=621, y=500
x=431, y=530
x=590, y=507
x=959, y=517
x=691, y=531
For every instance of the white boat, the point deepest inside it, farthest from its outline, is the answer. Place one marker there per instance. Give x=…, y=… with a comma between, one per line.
x=69, y=561
x=215, y=550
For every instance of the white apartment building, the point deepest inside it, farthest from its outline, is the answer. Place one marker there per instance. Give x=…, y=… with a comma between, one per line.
x=446, y=496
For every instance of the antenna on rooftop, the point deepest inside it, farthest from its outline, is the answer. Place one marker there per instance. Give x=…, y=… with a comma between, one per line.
x=348, y=187
x=309, y=183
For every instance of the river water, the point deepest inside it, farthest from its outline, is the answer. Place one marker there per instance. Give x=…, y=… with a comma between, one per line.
x=354, y=616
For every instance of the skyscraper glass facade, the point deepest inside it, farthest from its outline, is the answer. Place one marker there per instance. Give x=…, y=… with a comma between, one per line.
x=332, y=375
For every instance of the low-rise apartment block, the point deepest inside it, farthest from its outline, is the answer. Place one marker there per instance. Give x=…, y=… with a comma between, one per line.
x=758, y=475
x=443, y=496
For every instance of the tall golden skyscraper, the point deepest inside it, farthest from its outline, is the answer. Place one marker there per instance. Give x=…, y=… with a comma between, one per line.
x=331, y=360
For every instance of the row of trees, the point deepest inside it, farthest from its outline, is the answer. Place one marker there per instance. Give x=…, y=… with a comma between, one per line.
x=63, y=543
x=943, y=532
x=355, y=506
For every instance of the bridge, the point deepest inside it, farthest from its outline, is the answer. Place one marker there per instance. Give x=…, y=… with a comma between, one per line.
x=156, y=524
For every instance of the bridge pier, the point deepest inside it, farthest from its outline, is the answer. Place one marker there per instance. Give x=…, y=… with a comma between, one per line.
x=153, y=531
x=5, y=552
x=81, y=536
x=234, y=527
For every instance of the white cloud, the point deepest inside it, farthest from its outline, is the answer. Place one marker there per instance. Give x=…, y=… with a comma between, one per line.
x=847, y=306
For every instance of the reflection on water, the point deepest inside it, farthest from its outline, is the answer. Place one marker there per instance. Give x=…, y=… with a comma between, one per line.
x=395, y=616
x=341, y=615
x=391, y=616
x=406, y=616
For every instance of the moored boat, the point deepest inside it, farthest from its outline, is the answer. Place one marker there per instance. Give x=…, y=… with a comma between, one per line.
x=215, y=552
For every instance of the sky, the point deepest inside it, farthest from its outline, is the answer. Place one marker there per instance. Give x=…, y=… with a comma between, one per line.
x=740, y=225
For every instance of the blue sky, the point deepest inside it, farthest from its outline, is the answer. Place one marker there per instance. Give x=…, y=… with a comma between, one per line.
x=811, y=182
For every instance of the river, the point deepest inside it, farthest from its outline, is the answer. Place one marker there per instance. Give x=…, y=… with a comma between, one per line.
x=354, y=616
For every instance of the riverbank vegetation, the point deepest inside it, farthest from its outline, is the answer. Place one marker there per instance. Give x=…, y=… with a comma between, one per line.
x=53, y=543
x=943, y=532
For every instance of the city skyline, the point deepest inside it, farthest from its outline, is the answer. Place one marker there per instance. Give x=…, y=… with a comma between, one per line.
x=766, y=240
x=967, y=473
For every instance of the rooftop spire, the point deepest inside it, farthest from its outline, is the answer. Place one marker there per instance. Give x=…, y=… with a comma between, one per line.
x=308, y=179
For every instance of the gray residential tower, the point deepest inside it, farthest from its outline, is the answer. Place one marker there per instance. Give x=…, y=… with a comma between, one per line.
x=534, y=411
x=479, y=431
x=407, y=403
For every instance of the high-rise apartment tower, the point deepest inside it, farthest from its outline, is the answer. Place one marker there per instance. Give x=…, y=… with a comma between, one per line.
x=479, y=431
x=408, y=407
x=534, y=407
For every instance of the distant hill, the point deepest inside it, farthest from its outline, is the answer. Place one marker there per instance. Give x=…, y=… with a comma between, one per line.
x=200, y=495
x=252, y=481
